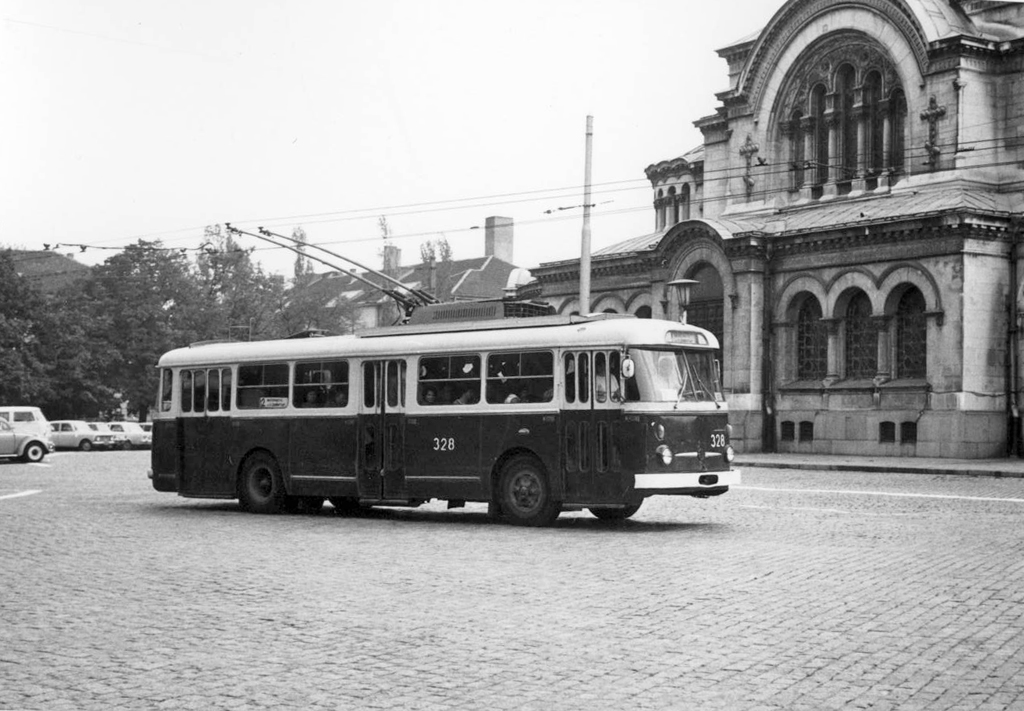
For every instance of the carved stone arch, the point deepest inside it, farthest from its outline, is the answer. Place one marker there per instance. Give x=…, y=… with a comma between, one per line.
x=820, y=63
x=895, y=281
x=845, y=285
x=694, y=241
x=609, y=302
x=799, y=20
x=786, y=300
x=638, y=300
x=569, y=306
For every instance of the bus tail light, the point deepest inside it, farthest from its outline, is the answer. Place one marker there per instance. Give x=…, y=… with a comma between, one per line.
x=665, y=453
x=730, y=454
x=659, y=431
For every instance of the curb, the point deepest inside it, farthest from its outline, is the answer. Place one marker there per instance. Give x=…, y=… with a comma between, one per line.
x=880, y=468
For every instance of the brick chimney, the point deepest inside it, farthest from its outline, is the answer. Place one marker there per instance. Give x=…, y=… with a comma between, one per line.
x=498, y=238
x=392, y=258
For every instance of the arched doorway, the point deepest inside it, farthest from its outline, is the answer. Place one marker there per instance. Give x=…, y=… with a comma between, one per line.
x=707, y=297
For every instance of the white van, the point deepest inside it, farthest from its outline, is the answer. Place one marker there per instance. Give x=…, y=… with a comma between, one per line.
x=29, y=420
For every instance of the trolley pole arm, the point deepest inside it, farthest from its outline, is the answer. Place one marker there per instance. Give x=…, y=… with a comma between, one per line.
x=422, y=296
x=406, y=305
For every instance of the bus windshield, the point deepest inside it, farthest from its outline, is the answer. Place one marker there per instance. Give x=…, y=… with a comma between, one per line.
x=675, y=376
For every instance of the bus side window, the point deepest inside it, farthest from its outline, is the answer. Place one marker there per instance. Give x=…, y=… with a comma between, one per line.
x=369, y=384
x=166, y=390
x=186, y=391
x=584, y=376
x=199, y=391
x=213, y=395
x=225, y=389
x=600, y=378
x=570, y=377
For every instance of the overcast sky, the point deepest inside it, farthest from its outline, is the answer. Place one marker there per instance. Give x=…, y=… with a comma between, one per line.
x=128, y=119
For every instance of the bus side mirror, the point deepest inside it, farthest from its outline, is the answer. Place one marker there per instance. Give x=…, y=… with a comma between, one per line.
x=628, y=368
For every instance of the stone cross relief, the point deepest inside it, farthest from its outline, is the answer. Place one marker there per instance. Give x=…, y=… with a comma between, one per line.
x=932, y=114
x=748, y=150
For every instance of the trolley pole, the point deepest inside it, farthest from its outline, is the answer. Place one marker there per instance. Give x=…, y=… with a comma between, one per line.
x=585, y=248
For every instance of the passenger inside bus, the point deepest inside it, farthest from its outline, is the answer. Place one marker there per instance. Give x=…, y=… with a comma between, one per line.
x=468, y=397
x=429, y=396
x=339, y=397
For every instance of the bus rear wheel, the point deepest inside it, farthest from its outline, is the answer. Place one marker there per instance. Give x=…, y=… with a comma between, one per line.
x=616, y=514
x=525, y=495
x=261, y=488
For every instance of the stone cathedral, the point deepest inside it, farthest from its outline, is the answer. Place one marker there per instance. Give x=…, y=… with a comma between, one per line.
x=851, y=222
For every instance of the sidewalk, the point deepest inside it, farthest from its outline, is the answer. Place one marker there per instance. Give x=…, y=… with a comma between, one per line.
x=1009, y=467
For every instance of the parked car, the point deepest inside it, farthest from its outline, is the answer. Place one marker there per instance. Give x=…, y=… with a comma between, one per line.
x=121, y=440
x=29, y=420
x=27, y=446
x=146, y=427
x=137, y=436
x=76, y=434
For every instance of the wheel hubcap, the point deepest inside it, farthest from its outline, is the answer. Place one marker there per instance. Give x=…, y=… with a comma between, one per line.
x=263, y=483
x=525, y=490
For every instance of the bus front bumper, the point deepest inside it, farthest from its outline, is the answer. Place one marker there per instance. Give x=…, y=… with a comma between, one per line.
x=163, y=481
x=692, y=483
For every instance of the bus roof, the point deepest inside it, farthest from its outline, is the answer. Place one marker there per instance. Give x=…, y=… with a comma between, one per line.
x=527, y=333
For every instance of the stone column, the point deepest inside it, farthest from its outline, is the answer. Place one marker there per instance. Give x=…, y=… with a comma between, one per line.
x=882, y=328
x=835, y=162
x=807, y=129
x=835, y=355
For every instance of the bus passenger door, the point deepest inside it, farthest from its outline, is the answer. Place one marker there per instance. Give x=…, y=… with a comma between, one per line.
x=577, y=427
x=382, y=431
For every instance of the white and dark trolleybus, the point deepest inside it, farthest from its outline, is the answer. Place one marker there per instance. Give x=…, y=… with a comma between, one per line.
x=533, y=416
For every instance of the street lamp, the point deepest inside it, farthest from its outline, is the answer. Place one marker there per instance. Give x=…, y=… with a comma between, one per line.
x=681, y=289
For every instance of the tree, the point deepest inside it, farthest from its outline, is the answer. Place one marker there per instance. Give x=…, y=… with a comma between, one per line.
x=240, y=298
x=145, y=301
x=24, y=374
x=303, y=265
x=437, y=258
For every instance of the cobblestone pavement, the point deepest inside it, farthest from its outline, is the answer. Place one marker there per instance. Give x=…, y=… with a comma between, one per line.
x=799, y=590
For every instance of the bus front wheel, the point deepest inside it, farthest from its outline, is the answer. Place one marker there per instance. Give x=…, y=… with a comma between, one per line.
x=525, y=495
x=261, y=489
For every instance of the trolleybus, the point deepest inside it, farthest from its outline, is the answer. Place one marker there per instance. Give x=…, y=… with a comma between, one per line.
x=533, y=416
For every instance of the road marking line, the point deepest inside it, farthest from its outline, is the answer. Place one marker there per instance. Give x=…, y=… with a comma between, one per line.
x=21, y=493
x=880, y=493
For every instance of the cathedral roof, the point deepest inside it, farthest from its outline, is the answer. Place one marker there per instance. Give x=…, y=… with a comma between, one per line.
x=898, y=206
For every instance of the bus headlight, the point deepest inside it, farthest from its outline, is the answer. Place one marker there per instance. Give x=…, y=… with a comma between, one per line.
x=659, y=431
x=665, y=453
x=730, y=454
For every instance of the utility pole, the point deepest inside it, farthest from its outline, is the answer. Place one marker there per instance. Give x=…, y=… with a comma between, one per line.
x=585, y=248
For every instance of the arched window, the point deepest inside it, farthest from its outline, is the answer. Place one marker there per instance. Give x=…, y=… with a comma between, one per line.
x=861, y=339
x=684, y=203
x=845, y=80
x=911, y=335
x=898, y=123
x=659, y=210
x=820, y=129
x=707, y=296
x=643, y=312
x=875, y=124
x=672, y=207
x=796, y=151
x=811, y=341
